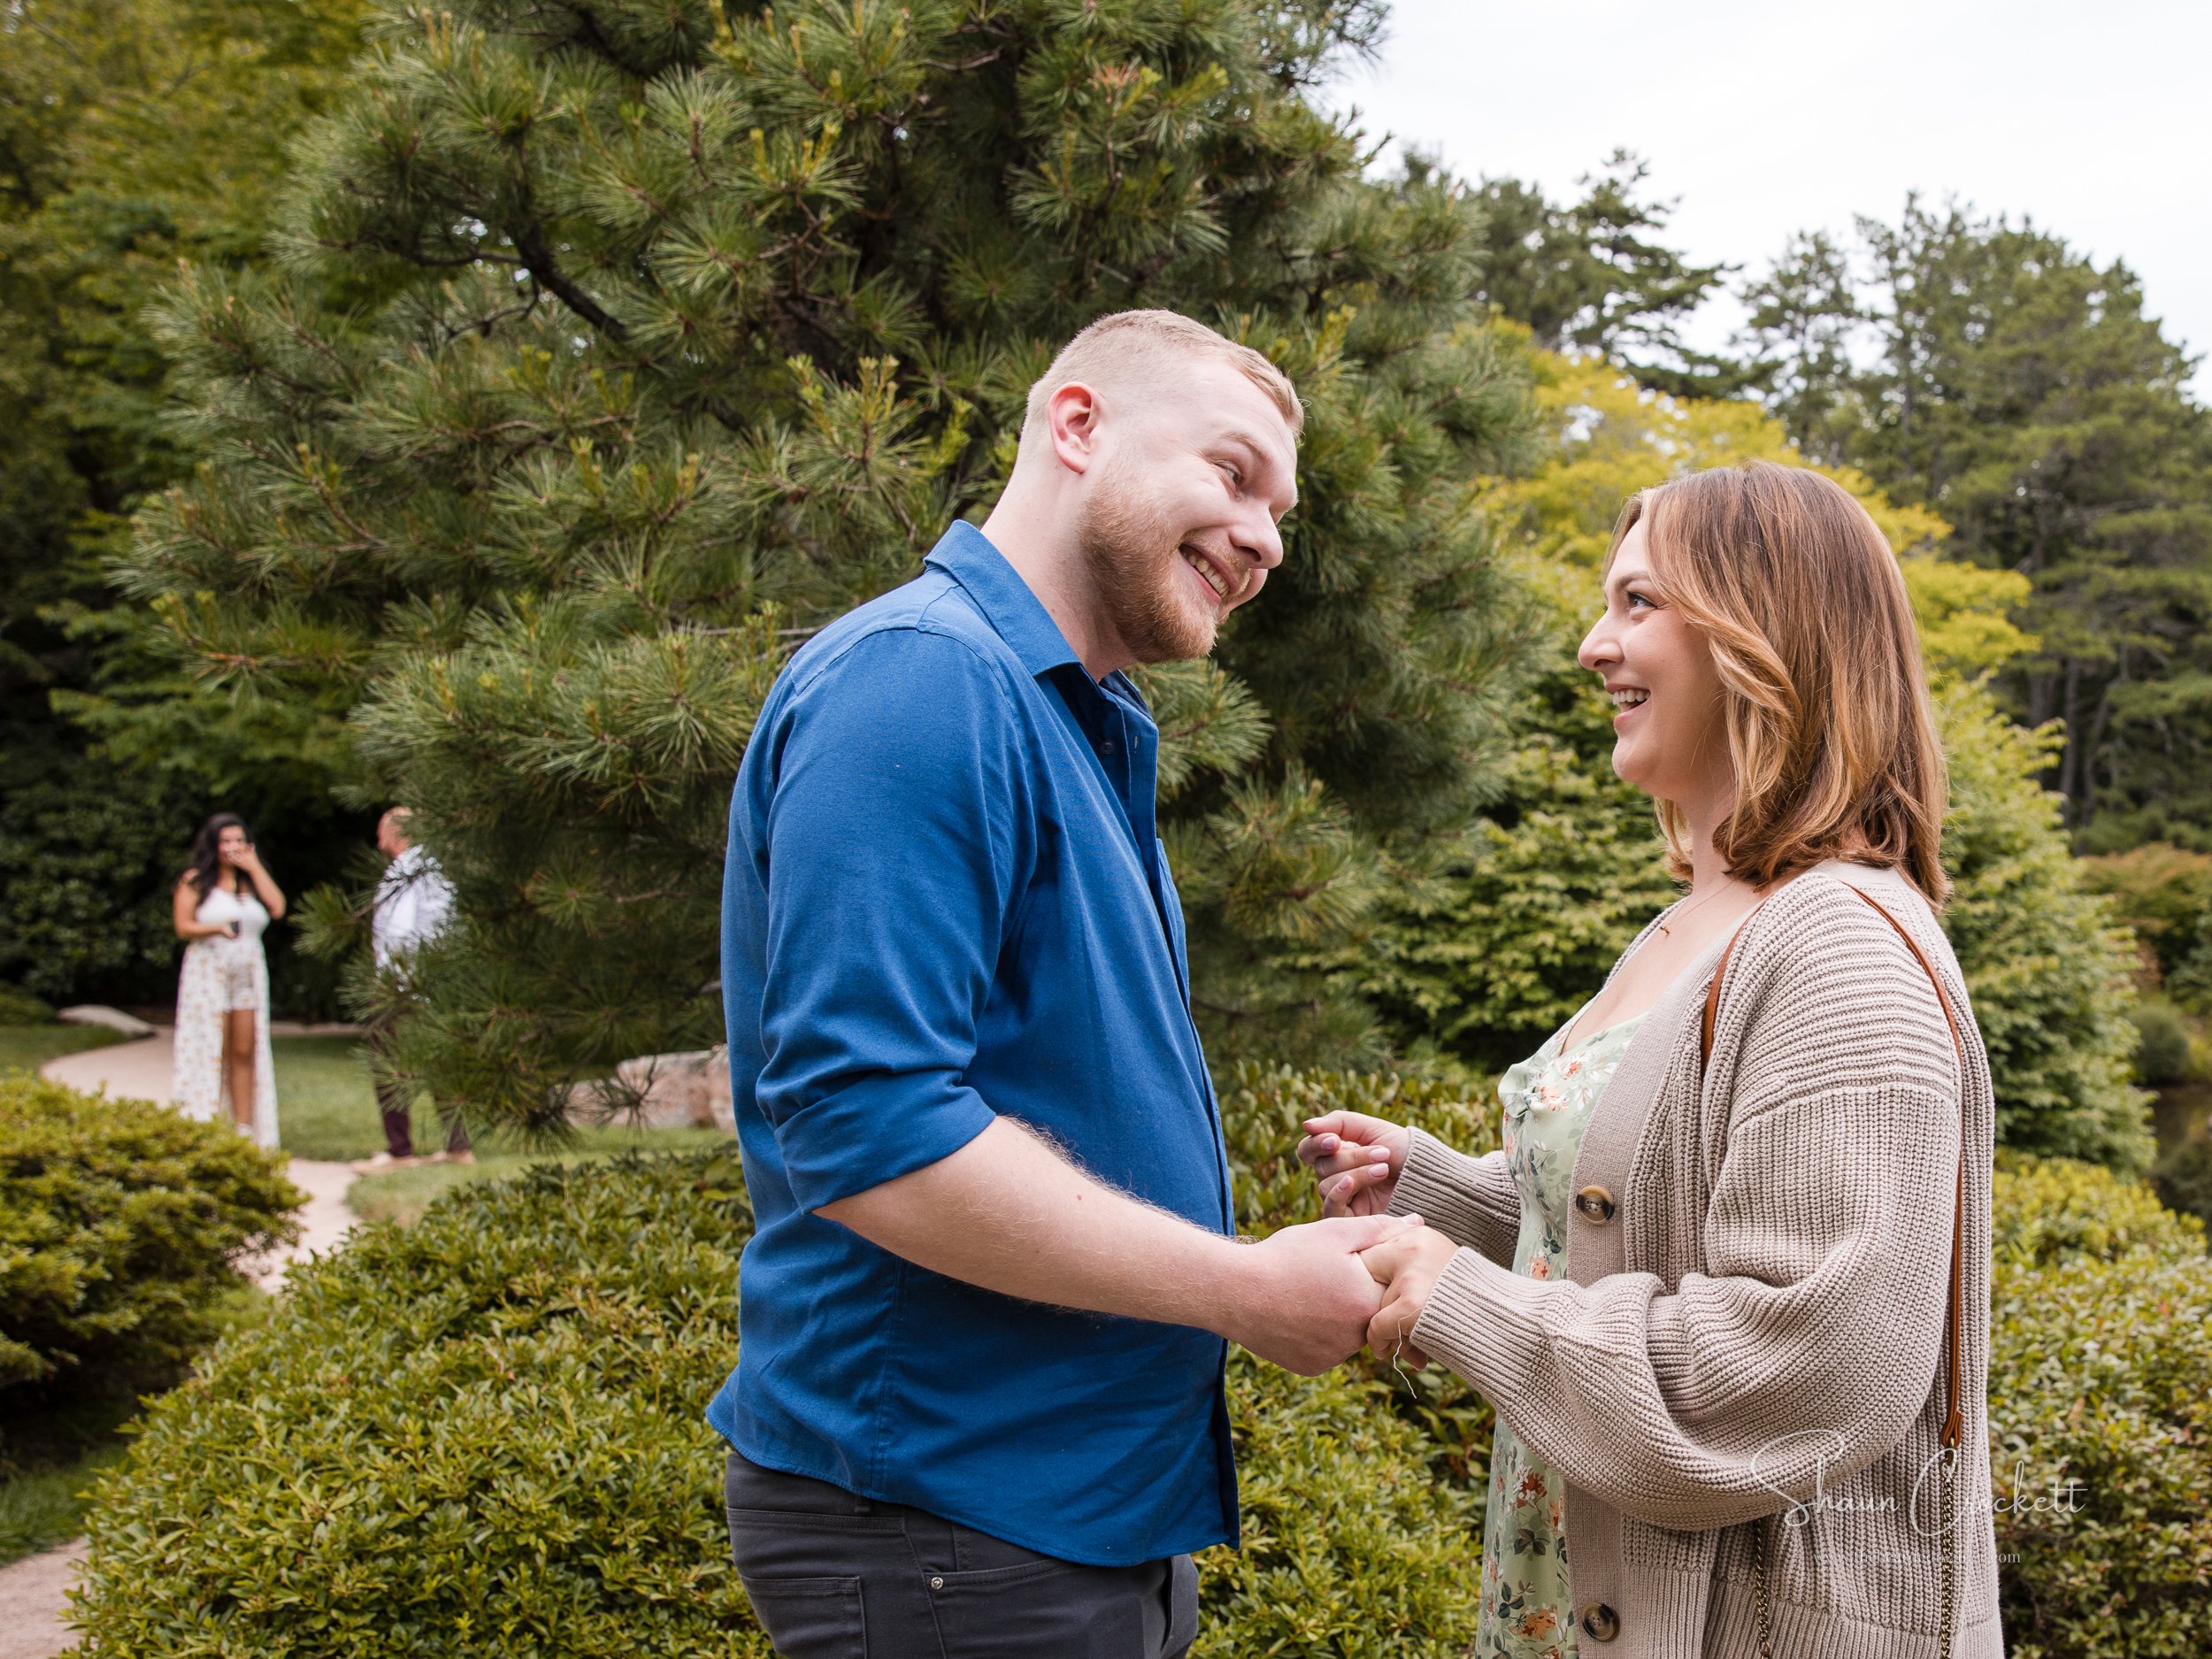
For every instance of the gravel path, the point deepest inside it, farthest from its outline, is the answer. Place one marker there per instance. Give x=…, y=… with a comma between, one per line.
x=33, y=1591
x=31, y=1600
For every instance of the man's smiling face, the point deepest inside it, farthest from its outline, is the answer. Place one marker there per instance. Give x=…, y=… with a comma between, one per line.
x=1180, y=520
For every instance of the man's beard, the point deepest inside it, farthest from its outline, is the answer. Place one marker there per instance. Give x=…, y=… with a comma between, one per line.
x=1131, y=550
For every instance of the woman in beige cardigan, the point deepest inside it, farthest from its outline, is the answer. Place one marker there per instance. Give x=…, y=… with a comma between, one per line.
x=1709, y=1283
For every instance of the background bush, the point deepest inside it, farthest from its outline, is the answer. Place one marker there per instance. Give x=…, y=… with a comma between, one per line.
x=18, y=1007
x=2100, y=1347
x=2162, y=1048
x=120, y=1222
x=483, y=1435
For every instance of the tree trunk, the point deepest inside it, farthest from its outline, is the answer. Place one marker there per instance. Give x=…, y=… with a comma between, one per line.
x=2070, y=760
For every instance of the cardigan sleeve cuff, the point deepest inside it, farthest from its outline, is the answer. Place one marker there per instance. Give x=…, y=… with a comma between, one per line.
x=1473, y=1202
x=1486, y=1322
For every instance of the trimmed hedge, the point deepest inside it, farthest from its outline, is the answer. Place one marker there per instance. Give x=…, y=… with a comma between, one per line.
x=482, y=1435
x=120, y=1222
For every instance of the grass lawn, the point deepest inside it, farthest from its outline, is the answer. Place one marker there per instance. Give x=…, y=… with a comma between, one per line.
x=326, y=1109
x=404, y=1195
x=31, y=1047
x=44, y=1506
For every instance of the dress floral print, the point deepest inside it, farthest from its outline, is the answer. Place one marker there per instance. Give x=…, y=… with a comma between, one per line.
x=220, y=975
x=1525, y=1595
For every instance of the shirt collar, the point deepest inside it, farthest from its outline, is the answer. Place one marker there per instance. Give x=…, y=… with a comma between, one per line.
x=965, y=554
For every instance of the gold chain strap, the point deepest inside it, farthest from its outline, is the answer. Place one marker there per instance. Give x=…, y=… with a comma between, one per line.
x=1947, y=1481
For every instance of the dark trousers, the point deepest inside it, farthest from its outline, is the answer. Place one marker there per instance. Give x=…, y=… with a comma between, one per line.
x=833, y=1575
x=395, y=1101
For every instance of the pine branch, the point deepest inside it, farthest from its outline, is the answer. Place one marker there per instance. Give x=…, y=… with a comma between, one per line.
x=538, y=259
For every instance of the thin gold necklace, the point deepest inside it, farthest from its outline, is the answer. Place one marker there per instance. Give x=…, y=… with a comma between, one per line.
x=1724, y=881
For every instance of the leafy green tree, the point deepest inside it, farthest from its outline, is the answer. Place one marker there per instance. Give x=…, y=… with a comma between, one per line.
x=132, y=133
x=673, y=330
x=1596, y=274
x=2047, y=961
x=1485, y=960
x=2016, y=386
x=2164, y=893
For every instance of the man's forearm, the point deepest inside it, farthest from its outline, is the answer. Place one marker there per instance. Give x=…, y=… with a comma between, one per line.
x=1009, y=1213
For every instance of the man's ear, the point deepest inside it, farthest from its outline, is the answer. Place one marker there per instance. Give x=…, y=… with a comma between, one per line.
x=1072, y=418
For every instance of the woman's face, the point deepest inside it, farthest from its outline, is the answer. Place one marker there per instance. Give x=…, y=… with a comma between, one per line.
x=1667, y=737
x=231, y=845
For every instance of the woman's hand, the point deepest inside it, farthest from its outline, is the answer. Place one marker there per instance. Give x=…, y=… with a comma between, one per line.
x=1406, y=1266
x=247, y=861
x=1356, y=1159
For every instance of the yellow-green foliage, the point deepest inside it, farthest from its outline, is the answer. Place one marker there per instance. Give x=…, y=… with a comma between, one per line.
x=1614, y=438
x=119, y=1222
x=1351, y=1547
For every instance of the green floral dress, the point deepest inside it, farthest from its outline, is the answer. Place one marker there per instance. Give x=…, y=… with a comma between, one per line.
x=1526, y=1601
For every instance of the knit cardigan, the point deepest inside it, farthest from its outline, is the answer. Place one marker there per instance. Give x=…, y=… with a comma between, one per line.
x=1749, y=1332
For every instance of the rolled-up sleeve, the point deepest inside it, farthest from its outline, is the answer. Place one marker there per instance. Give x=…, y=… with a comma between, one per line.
x=894, y=863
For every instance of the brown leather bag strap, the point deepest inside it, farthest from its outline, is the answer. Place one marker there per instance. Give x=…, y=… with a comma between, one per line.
x=1954, y=1320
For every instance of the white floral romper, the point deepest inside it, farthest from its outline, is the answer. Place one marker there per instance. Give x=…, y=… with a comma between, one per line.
x=1525, y=1595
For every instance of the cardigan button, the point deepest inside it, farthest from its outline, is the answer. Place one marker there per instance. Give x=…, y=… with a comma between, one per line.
x=1600, y=1623
x=1596, y=1204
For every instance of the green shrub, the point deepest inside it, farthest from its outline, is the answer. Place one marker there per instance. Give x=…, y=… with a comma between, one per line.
x=2184, y=1177
x=18, y=1007
x=120, y=1225
x=2100, y=1347
x=2163, y=892
x=2049, y=1211
x=479, y=1435
x=2162, y=1041
x=1264, y=1106
x=482, y=1435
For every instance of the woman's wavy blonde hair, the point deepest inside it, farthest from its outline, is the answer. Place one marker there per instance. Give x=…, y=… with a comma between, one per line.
x=1825, y=694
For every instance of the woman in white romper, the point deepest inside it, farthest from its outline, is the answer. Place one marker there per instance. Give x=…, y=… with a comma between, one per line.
x=225, y=901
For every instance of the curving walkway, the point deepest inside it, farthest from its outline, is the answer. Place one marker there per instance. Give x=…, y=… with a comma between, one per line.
x=33, y=1591
x=33, y=1595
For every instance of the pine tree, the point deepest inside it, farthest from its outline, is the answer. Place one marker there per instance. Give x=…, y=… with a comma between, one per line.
x=1596, y=275
x=622, y=345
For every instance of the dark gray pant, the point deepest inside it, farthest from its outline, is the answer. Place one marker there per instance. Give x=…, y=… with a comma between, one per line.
x=833, y=1575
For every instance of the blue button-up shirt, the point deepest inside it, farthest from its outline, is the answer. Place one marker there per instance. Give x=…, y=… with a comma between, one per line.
x=945, y=901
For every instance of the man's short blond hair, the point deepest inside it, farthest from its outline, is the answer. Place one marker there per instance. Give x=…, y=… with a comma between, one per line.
x=1154, y=342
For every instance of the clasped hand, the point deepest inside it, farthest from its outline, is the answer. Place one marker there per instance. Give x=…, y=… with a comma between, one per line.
x=1356, y=1159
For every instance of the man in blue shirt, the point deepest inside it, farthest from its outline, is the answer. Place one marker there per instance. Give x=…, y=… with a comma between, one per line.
x=978, y=1407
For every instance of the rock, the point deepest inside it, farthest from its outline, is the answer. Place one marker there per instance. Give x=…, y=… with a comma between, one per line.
x=663, y=1091
x=100, y=1014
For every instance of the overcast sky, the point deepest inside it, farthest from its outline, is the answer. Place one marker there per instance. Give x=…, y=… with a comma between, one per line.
x=2096, y=119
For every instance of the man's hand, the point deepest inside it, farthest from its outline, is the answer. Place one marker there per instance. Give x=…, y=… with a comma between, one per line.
x=1356, y=1159
x=1008, y=1212
x=1405, y=1266
x=1304, y=1299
